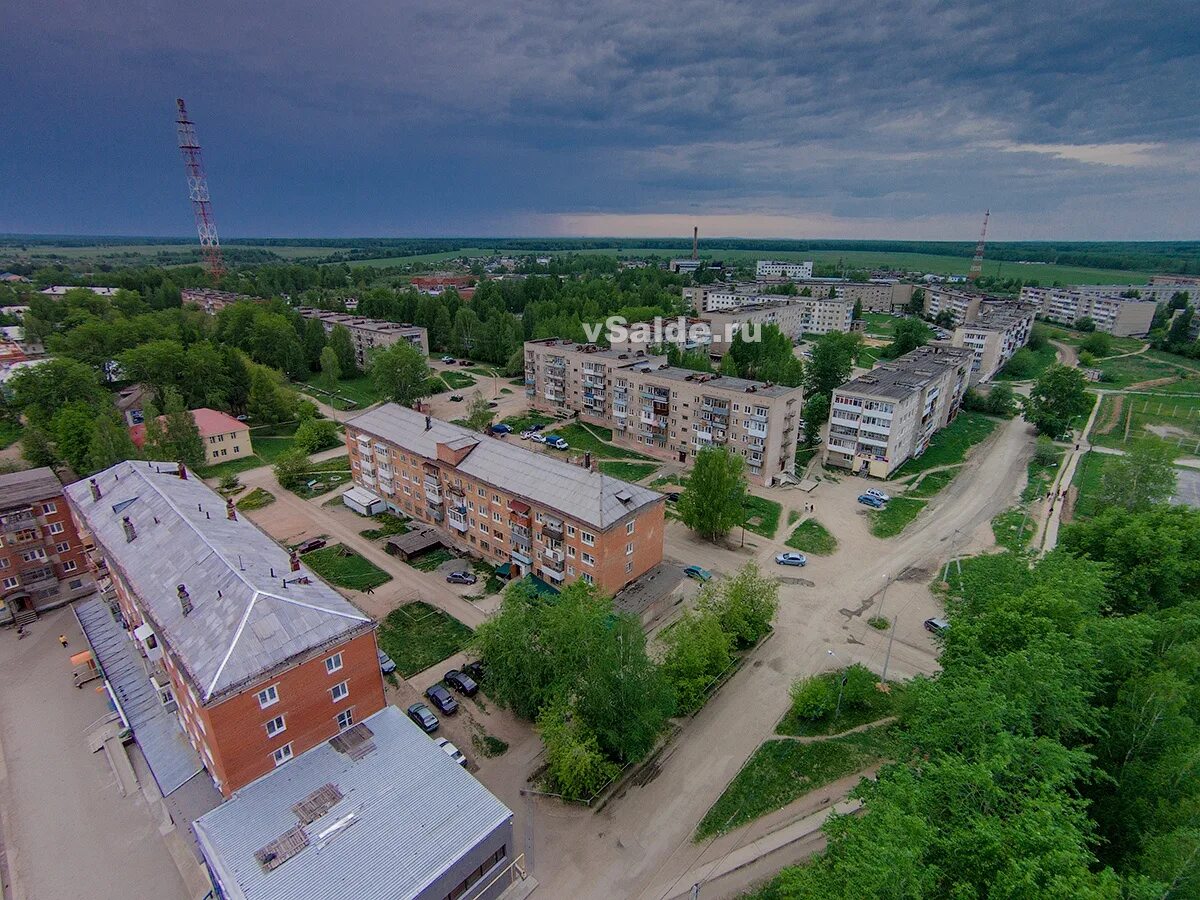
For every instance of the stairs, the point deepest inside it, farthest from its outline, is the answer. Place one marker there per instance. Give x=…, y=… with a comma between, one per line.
x=24, y=617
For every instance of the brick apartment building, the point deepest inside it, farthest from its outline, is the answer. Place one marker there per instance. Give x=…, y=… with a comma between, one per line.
x=370, y=334
x=257, y=657
x=877, y=295
x=518, y=508
x=42, y=561
x=669, y=413
x=794, y=316
x=882, y=418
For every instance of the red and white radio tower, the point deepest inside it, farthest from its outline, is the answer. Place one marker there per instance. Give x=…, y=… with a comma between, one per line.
x=977, y=262
x=206, y=225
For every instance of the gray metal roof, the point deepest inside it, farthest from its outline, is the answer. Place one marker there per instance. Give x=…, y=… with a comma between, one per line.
x=23, y=488
x=244, y=622
x=716, y=382
x=407, y=812
x=590, y=497
x=907, y=374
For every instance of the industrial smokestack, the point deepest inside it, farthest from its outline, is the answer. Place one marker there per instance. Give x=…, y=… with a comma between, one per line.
x=695, y=242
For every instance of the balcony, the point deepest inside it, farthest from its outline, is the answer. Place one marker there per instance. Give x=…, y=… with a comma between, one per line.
x=520, y=554
x=552, y=574
x=458, y=520
x=757, y=429
x=552, y=529
x=18, y=520
x=552, y=557
x=433, y=493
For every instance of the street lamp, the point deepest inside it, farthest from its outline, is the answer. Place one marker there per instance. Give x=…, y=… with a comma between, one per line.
x=841, y=684
x=886, y=581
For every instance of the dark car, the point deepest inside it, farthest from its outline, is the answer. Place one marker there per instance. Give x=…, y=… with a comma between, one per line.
x=386, y=665
x=673, y=496
x=462, y=578
x=424, y=717
x=440, y=697
x=464, y=362
x=475, y=670
x=936, y=625
x=310, y=545
x=464, y=684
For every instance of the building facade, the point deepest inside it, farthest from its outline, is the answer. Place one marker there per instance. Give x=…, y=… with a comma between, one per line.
x=964, y=307
x=259, y=659
x=370, y=334
x=997, y=331
x=1119, y=316
x=769, y=268
x=564, y=378
x=529, y=511
x=794, y=316
x=879, y=420
x=224, y=437
x=213, y=301
x=42, y=561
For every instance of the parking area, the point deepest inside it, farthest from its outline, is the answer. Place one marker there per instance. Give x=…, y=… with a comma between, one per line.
x=1187, y=487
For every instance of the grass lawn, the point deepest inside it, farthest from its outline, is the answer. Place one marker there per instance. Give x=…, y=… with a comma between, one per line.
x=233, y=467
x=781, y=771
x=1149, y=366
x=269, y=449
x=804, y=456
x=10, y=433
x=583, y=439
x=1171, y=418
x=389, y=524
x=1043, y=358
x=950, y=445
x=880, y=324
x=628, y=471
x=1040, y=477
x=762, y=516
x=1074, y=338
x=325, y=477
x=880, y=706
x=528, y=420
x=486, y=373
x=360, y=391
x=417, y=635
x=894, y=518
x=427, y=562
x=343, y=567
x=931, y=483
x=812, y=537
x=456, y=380
x=256, y=499
x=1006, y=528
x=1089, y=475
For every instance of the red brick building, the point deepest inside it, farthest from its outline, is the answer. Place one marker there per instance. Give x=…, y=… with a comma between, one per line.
x=262, y=659
x=42, y=563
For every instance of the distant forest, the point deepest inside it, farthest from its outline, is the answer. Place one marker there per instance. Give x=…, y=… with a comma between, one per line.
x=1180, y=257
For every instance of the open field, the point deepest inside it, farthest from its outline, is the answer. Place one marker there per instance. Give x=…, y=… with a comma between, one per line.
x=361, y=390
x=48, y=251
x=1171, y=418
x=1089, y=476
x=418, y=635
x=341, y=566
x=950, y=445
x=583, y=439
x=1125, y=371
x=628, y=471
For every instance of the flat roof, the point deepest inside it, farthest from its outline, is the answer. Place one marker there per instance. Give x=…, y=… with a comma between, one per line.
x=591, y=497
x=900, y=377
x=244, y=622
x=707, y=380
x=22, y=488
x=392, y=812
x=592, y=350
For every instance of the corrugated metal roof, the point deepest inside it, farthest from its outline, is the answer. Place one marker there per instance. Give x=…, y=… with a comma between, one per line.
x=590, y=497
x=415, y=812
x=244, y=622
x=20, y=488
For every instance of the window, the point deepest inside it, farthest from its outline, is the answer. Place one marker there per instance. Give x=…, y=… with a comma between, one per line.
x=495, y=498
x=482, y=492
x=588, y=559
x=333, y=663
x=62, y=548
x=70, y=566
x=496, y=517
x=75, y=584
x=629, y=567
x=276, y=726
x=629, y=526
x=268, y=696
x=49, y=508
x=340, y=691
x=629, y=549
x=237, y=449
x=570, y=531
x=3, y=562
x=56, y=528
x=345, y=719
x=31, y=555
x=11, y=582
x=282, y=755
x=571, y=552
x=483, y=528
x=587, y=579
x=588, y=538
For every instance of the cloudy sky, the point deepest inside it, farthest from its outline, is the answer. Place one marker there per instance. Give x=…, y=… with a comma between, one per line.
x=828, y=118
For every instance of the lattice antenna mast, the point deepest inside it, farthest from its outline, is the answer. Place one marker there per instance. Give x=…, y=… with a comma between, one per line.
x=206, y=225
x=977, y=262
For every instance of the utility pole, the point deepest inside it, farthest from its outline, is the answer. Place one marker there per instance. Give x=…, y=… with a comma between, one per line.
x=888, y=657
x=886, y=581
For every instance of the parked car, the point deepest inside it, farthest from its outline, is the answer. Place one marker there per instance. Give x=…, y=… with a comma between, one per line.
x=451, y=751
x=386, y=665
x=873, y=502
x=464, y=362
x=461, y=578
x=440, y=697
x=243, y=418
x=936, y=625
x=310, y=545
x=448, y=360
x=698, y=573
x=673, y=496
x=557, y=443
x=424, y=717
x=878, y=494
x=538, y=438
x=475, y=670
x=456, y=398
x=501, y=428
x=791, y=559
x=537, y=426
x=464, y=684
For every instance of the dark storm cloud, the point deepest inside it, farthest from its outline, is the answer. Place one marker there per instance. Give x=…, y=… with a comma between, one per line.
x=846, y=117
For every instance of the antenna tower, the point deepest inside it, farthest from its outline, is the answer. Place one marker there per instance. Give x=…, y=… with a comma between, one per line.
x=977, y=262
x=206, y=225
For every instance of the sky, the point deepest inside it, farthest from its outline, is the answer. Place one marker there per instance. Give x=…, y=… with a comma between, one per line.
x=817, y=119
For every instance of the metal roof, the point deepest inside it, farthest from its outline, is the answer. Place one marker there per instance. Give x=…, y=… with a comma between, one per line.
x=590, y=497
x=244, y=622
x=22, y=488
x=407, y=812
x=905, y=375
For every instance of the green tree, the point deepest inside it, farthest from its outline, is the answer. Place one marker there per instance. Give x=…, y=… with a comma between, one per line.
x=1085, y=324
x=71, y=427
x=816, y=414
x=1058, y=397
x=1143, y=477
x=744, y=604
x=37, y=448
x=575, y=763
x=158, y=364
x=314, y=344
x=909, y=334
x=343, y=345
x=1177, y=334
x=916, y=303
x=715, y=499
x=728, y=366
x=40, y=391
x=111, y=443
x=330, y=368
x=697, y=651
x=269, y=402
x=313, y=435
x=400, y=373
x=479, y=414
x=291, y=467
x=1097, y=343
x=831, y=363
x=858, y=310
x=180, y=432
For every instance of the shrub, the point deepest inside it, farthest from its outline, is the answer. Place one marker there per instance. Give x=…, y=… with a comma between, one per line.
x=859, y=687
x=1045, y=453
x=316, y=434
x=813, y=698
x=575, y=765
x=1097, y=344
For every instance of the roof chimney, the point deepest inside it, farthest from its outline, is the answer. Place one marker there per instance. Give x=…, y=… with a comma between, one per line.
x=428, y=422
x=185, y=600
x=230, y=512
x=182, y=472
x=295, y=561
x=130, y=531
x=95, y=489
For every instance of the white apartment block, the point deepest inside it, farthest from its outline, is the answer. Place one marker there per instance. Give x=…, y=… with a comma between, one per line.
x=964, y=306
x=769, y=268
x=687, y=334
x=1160, y=290
x=879, y=420
x=368, y=334
x=794, y=316
x=998, y=330
x=666, y=412
x=1119, y=316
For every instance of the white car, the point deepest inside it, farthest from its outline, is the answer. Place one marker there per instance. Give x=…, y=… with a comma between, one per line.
x=537, y=438
x=453, y=752
x=877, y=494
x=526, y=435
x=791, y=559
x=449, y=360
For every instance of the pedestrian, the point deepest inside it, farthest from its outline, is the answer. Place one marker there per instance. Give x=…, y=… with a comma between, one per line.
x=370, y=590
x=20, y=632
x=1077, y=446
x=62, y=639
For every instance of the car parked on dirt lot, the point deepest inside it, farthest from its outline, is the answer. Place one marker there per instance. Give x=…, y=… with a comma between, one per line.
x=449, y=360
x=936, y=625
x=456, y=398
x=451, y=751
x=873, y=502
x=538, y=438
x=501, y=428
x=461, y=578
x=557, y=443
x=527, y=434
x=440, y=697
x=462, y=683
x=424, y=717
x=673, y=496
x=475, y=669
x=310, y=545
x=386, y=665
x=698, y=573
x=791, y=559
x=877, y=494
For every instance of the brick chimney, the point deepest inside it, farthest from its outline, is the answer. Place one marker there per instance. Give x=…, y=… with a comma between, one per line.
x=185, y=600
x=95, y=488
x=182, y=471
x=130, y=531
x=230, y=512
x=295, y=561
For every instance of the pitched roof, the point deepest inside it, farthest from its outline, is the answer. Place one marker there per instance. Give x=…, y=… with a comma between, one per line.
x=388, y=821
x=209, y=422
x=244, y=623
x=590, y=497
x=20, y=488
